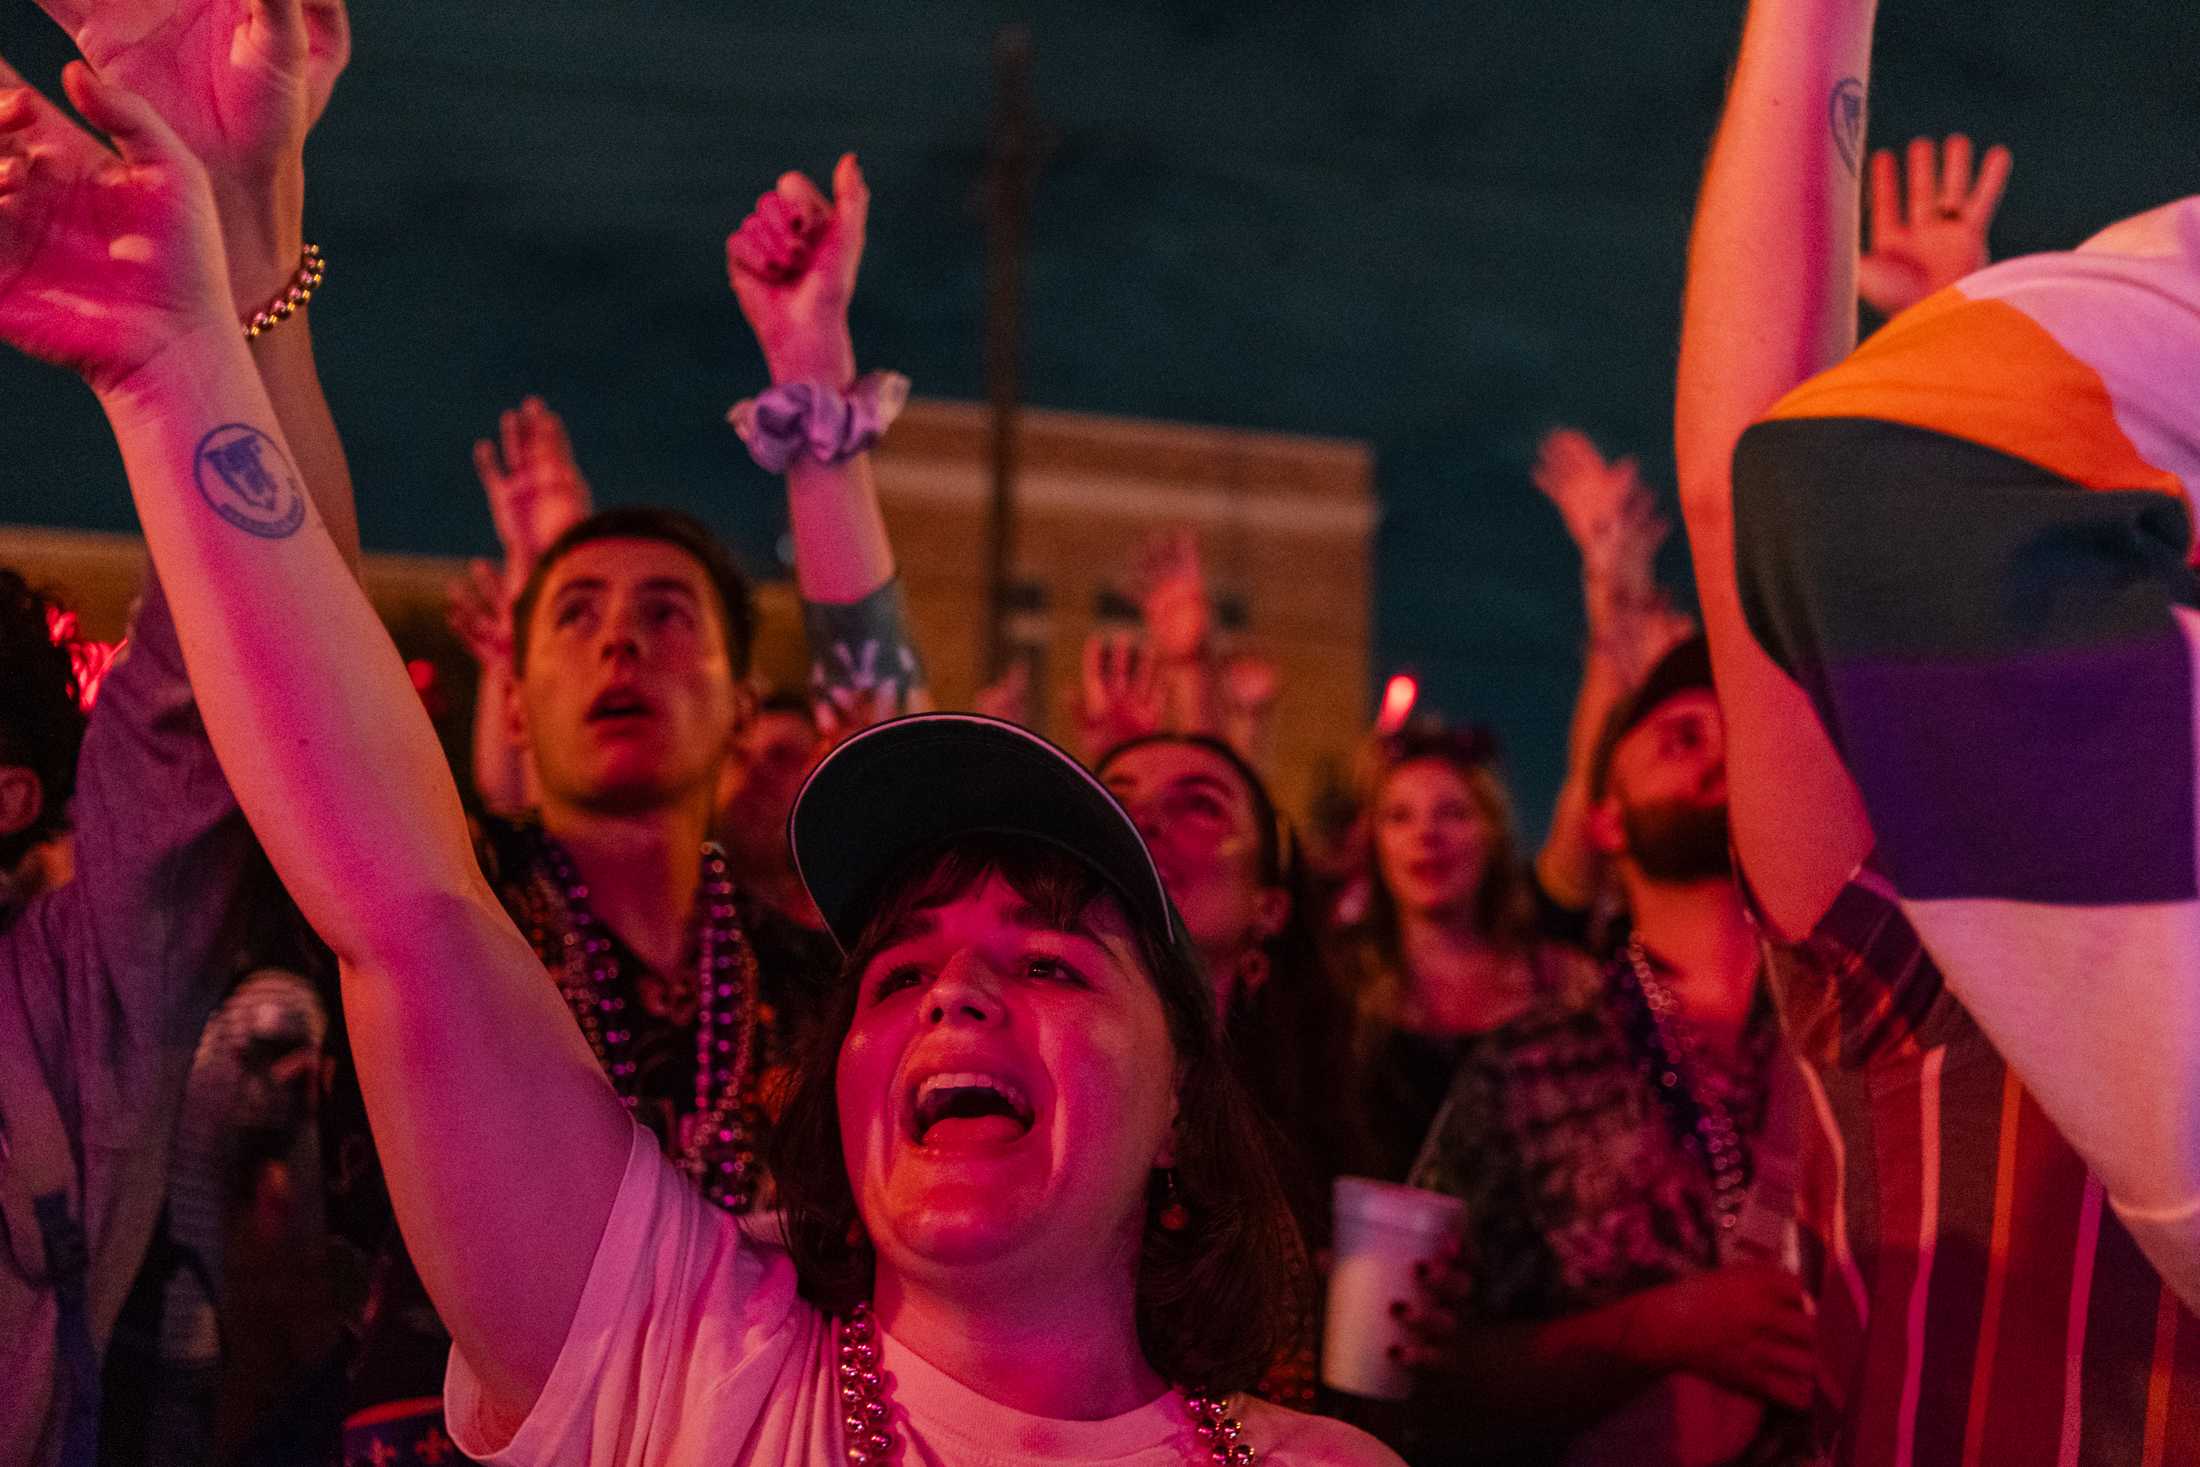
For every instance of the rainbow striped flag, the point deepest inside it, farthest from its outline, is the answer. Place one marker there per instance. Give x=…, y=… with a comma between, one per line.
x=1971, y=545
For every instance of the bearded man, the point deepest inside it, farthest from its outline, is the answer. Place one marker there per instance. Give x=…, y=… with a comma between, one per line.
x=1619, y=1294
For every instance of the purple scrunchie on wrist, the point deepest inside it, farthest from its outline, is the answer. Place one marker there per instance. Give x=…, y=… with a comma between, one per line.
x=820, y=421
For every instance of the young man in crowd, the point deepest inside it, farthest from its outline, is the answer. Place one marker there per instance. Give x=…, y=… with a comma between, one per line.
x=108, y=979
x=1645, y=809
x=630, y=648
x=627, y=696
x=1605, y=1143
x=1958, y=703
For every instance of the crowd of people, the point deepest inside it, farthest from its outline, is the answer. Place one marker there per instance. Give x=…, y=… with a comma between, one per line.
x=777, y=1075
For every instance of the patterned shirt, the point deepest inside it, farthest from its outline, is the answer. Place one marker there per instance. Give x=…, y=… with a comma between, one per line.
x=1583, y=1178
x=1978, y=1303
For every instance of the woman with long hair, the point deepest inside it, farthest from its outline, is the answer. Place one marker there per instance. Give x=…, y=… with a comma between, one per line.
x=1231, y=865
x=1449, y=946
x=1023, y=1191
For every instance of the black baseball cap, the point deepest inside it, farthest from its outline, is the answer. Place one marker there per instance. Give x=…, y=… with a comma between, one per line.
x=912, y=785
x=1684, y=668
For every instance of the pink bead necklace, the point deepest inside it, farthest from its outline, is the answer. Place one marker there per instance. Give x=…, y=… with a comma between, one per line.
x=867, y=1414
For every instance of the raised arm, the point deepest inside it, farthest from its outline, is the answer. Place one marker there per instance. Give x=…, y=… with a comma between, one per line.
x=793, y=263
x=1610, y=517
x=242, y=84
x=480, y=615
x=114, y=268
x=1771, y=300
x=1177, y=616
x=536, y=492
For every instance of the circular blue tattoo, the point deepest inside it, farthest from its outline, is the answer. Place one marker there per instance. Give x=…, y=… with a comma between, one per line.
x=245, y=477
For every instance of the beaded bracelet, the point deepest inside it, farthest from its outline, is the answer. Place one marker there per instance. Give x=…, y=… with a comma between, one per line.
x=312, y=269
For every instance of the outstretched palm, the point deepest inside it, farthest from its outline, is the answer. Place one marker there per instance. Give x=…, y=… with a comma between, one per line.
x=1933, y=233
x=535, y=487
x=103, y=260
x=1606, y=506
x=1172, y=594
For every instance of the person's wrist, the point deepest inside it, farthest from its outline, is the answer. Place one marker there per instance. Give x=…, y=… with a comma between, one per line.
x=263, y=231
x=827, y=356
x=1649, y=1336
x=198, y=339
x=517, y=568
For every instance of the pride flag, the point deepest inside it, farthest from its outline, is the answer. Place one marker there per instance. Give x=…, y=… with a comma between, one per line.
x=1971, y=545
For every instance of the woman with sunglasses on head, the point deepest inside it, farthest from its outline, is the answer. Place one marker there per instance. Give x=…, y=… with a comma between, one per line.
x=1023, y=1193
x=1453, y=945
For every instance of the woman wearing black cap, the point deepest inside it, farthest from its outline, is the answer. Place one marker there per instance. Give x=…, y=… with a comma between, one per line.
x=1028, y=1057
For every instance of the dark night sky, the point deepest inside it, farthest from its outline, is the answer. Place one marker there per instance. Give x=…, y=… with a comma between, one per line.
x=1439, y=226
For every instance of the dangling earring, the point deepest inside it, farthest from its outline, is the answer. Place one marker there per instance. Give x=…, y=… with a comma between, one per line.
x=1173, y=1217
x=1252, y=972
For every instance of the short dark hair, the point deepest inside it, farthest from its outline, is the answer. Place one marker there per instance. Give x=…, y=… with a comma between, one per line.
x=42, y=716
x=1219, y=1301
x=667, y=527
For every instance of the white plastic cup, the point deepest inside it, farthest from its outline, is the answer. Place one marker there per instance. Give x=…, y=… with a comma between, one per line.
x=1381, y=1230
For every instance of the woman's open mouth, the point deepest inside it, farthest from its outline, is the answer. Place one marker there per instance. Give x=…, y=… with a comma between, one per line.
x=954, y=1109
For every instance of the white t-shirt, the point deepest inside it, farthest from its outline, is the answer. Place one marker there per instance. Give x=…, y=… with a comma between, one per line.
x=691, y=1349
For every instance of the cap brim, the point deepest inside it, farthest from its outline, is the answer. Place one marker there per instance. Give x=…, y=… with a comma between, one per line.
x=915, y=784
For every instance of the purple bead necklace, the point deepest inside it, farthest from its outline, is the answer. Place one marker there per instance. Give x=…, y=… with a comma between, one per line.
x=717, y=1139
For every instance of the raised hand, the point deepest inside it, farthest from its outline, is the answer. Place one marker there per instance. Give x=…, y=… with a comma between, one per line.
x=1607, y=509
x=793, y=263
x=1120, y=695
x=1939, y=235
x=480, y=615
x=535, y=487
x=105, y=258
x=1172, y=595
x=241, y=81
x=536, y=493
x=1250, y=684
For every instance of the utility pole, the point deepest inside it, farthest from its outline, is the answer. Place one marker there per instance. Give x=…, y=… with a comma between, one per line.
x=1012, y=165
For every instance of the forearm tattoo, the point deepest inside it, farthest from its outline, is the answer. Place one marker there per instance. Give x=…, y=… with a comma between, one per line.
x=865, y=666
x=243, y=474
x=1845, y=110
